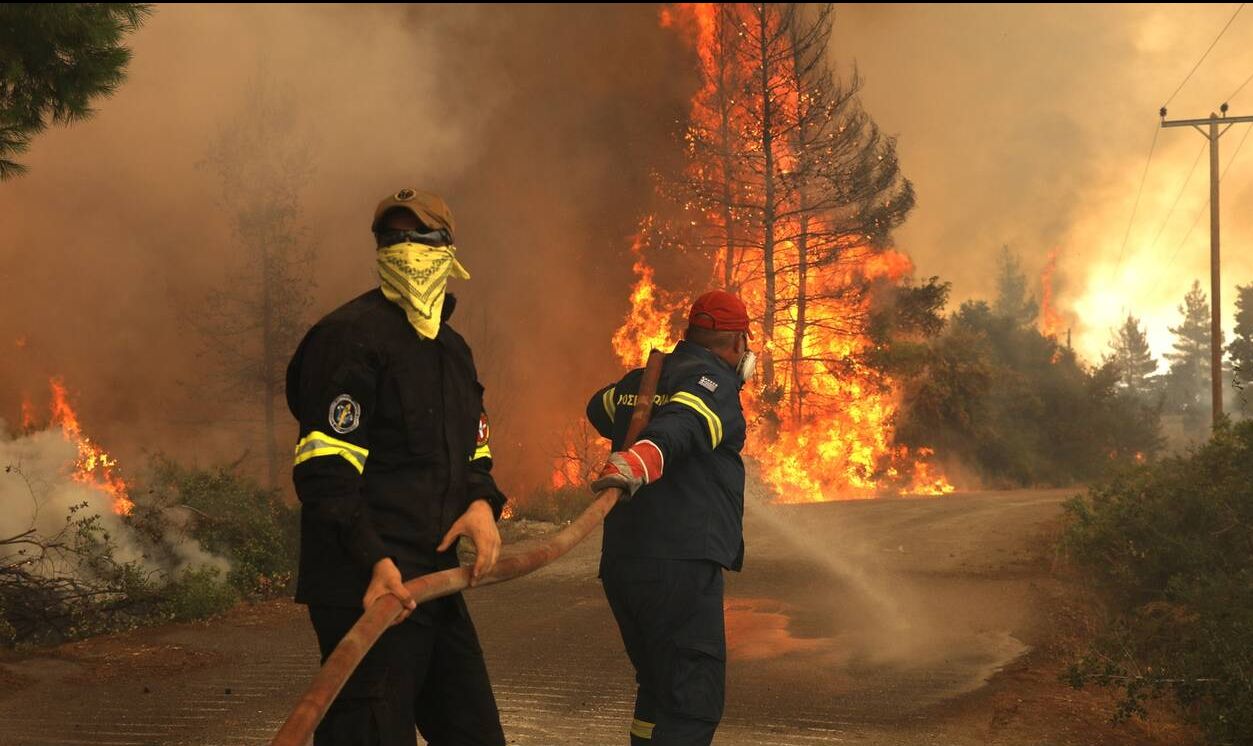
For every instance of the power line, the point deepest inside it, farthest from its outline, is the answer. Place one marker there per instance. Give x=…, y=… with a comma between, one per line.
x=1136, y=206
x=1169, y=213
x=1204, y=207
x=1241, y=88
x=1207, y=51
x=1234, y=153
x=1212, y=128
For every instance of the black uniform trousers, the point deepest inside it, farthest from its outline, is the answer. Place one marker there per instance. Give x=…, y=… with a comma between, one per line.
x=671, y=619
x=426, y=672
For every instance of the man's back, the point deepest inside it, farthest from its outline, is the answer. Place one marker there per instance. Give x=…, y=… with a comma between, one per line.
x=696, y=511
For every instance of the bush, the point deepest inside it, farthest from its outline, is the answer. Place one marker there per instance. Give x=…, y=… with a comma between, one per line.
x=236, y=518
x=1019, y=408
x=197, y=594
x=69, y=583
x=72, y=580
x=1170, y=545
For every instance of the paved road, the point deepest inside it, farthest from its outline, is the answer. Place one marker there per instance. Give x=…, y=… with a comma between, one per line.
x=853, y=622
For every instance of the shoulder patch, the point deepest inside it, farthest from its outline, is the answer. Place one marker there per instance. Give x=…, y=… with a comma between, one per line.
x=345, y=415
x=485, y=431
x=708, y=383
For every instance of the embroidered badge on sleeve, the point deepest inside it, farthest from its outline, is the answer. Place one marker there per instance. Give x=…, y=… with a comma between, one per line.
x=345, y=414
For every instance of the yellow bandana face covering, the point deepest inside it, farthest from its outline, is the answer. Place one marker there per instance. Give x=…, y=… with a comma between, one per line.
x=414, y=277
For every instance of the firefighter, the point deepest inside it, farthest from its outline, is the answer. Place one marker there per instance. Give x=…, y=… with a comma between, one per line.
x=679, y=523
x=392, y=465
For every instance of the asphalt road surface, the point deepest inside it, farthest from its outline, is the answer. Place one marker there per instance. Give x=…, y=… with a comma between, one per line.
x=853, y=622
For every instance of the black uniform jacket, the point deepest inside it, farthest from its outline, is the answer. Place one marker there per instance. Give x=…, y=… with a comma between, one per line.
x=696, y=509
x=393, y=446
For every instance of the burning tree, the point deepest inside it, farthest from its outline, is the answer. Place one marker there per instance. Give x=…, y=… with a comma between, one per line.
x=791, y=193
x=254, y=323
x=790, y=185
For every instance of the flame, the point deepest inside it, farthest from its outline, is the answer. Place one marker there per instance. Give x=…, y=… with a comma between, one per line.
x=94, y=466
x=1051, y=322
x=649, y=325
x=826, y=429
x=28, y=416
x=566, y=473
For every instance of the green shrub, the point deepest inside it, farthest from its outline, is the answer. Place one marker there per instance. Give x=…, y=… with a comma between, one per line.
x=236, y=518
x=1170, y=545
x=198, y=593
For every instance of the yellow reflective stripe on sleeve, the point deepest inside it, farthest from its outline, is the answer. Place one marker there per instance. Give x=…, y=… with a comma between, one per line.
x=642, y=729
x=606, y=399
x=483, y=451
x=318, y=443
x=698, y=404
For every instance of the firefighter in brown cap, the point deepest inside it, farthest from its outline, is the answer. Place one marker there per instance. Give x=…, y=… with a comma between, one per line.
x=392, y=465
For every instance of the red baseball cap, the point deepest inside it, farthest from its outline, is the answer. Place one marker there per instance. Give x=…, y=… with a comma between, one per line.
x=719, y=310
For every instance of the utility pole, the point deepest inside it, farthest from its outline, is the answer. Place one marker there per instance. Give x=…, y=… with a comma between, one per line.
x=1209, y=128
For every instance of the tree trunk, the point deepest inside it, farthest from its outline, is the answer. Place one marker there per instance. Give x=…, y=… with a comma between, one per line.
x=724, y=111
x=802, y=291
x=768, y=190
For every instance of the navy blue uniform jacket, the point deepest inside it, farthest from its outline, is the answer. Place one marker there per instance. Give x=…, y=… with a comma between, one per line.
x=696, y=509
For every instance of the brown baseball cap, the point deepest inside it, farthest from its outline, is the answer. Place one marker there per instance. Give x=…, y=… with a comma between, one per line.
x=429, y=208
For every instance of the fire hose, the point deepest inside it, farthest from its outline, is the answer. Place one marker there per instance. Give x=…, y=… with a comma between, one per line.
x=514, y=562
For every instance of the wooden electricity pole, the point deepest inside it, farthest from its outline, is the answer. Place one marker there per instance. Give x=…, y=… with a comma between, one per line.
x=1211, y=130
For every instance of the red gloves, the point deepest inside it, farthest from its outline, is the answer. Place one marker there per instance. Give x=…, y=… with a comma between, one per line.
x=631, y=469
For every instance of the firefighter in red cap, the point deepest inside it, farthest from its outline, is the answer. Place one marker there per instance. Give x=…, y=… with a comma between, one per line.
x=679, y=523
x=392, y=465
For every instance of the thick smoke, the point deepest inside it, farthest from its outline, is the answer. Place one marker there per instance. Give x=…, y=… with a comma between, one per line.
x=539, y=125
x=38, y=493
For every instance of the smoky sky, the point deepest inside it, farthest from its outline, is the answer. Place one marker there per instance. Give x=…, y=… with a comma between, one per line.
x=542, y=127
x=1029, y=125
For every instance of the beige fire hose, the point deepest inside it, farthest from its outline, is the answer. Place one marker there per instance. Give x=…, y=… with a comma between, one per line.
x=514, y=562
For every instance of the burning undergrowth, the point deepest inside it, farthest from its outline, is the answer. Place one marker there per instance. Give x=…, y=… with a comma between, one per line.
x=80, y=553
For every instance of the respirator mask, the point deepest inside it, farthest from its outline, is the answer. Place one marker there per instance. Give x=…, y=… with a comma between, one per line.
x=747, y=366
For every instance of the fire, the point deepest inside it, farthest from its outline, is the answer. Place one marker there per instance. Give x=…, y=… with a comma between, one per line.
x=28, y=417
x=650, y=324
x=94, y=466
x=824, y=429
x=1051, y=322
x=565, y=474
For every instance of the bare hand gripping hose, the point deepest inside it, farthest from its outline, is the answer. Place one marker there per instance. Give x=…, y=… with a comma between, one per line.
x=519, y=560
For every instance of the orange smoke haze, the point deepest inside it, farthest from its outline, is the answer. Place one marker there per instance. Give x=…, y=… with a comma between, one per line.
x=528, y=120
x=1025, y=125
x=1029, y=125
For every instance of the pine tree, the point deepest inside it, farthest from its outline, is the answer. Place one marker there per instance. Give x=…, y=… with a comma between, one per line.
x=55, y=59
x=1188, y=380
x=1012, y=301
x=1131, y=358
x=1241, y=348
x=252, y=325
x=788, y=176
